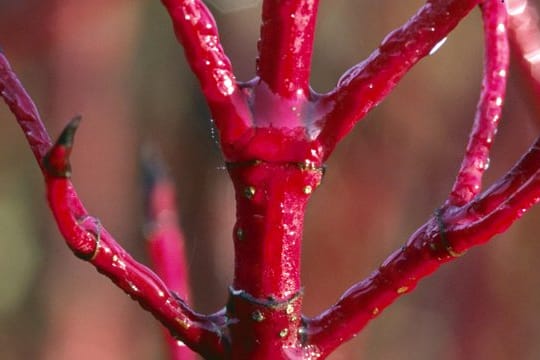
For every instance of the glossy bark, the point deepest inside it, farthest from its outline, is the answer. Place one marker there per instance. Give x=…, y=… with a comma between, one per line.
x=275, y=136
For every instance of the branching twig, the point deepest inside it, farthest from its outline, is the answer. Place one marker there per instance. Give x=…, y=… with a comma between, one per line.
x=22, y=106
x=275, y=135
x=365, y=85
x=476, y=161
x=91, y=242
x=197, y=31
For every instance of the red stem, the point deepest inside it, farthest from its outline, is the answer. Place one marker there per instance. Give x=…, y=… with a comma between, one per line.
x=286, y=46
x=275, y=145
x=196, y=29
x=266, y=297
x=365, y=85
x=451, y=232
x=24, y=109
x=476, y=161
x=166, y=243
x=89, y=241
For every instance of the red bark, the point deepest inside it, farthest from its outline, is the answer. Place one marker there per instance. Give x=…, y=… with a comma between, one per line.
x=286, y=45
x=275, y=135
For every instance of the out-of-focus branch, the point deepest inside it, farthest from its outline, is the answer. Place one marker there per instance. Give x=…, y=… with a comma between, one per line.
x=524, y=35
x=196, y=29
x=286, y=46
x=365, y=85
x=165, y=239
x=90, y=241
x=496, y=59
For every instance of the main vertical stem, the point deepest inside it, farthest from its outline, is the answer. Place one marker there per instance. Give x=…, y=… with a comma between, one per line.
x=286, y=46
x=265, y=302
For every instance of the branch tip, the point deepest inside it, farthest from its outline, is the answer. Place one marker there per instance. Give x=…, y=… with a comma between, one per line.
x=56, y=162
x=68, y=134
x=153, y=167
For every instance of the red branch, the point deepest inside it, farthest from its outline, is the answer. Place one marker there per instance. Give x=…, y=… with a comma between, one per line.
x=90, y=241
x=286, y=46
x=166, y=241
x=365, y=85
x=496, y=58
x=275, y=136
x=461, y=223
x=197, y=31
x=451, y=232
x=22, y=106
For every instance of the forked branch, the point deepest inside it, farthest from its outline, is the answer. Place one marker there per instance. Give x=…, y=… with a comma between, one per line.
x=365, y=85
x=464, y=221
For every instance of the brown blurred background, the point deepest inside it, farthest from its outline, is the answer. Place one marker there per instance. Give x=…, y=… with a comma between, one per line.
x=118, y=65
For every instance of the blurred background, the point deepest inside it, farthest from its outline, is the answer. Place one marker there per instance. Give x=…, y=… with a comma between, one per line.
x=118, y=64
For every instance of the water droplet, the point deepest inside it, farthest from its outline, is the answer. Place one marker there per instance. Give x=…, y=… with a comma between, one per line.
x=283, y=333
x=308, y=189
x=184, y=323
x=501, y=28
x=249, y=192
x=375, y=311
x=312, y=352
x=402, y=290
x=118, y=263
x=257, y=316
x=225, y=81
x=437, y=46
x=240, y=234
x=290, y=309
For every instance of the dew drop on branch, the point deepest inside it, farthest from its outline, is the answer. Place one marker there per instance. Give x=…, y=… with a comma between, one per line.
x=437, y=46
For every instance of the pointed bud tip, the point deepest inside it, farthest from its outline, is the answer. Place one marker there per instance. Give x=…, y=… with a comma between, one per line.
x=153, y=166
x=68, y=134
